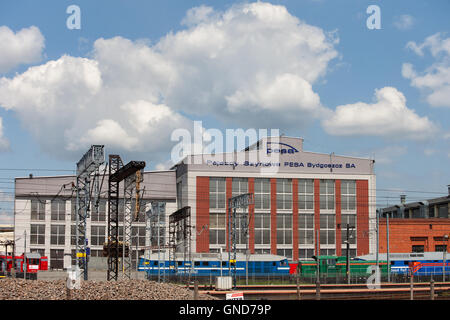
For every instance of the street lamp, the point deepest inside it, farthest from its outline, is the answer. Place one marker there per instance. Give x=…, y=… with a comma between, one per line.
x=444, y=250
x=347, y=242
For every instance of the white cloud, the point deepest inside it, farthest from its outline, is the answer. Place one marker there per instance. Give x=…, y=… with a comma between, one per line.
x=4, y=143
x=404, y=22
x=435, y=80
x=23, y=47
x=388, y=116
x=245, y=65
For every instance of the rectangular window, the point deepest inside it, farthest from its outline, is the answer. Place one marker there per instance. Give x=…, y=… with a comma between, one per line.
x=327, y=252
x=284, y=228
x=56, y=258
x=37, y=210
x=305, y=253
x=285, y=253
x=284, y=193
x=262, y=228
x=418, y=248
x=305, y=194
x=306, y=228
x=57, y=234
x=239, y=186
x=440, y=248
x=262, y=194
x=348, y=195
x=37, y=234
x=58, y=210
x=97, y=235
x=217, y=193
x=327, y=194
x=217, y=228
x=99, y=213
x=327, y=229
x=137, y=236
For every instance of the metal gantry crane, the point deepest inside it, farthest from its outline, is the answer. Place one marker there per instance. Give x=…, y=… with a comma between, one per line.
x=87, y=174
x=132, y=173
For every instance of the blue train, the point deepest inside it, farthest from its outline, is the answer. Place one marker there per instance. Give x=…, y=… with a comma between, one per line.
x=424, y=263
x=211, y=264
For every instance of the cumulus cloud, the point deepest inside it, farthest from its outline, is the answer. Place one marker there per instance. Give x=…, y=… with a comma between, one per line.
x=21, y=47
x=404, y=22
x=434, y=81
x=245, y=65
x=388, y=116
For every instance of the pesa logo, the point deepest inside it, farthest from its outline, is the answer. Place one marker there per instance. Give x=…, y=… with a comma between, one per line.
x=280, y=149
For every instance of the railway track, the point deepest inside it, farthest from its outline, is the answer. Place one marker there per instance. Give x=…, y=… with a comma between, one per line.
x=336, y=291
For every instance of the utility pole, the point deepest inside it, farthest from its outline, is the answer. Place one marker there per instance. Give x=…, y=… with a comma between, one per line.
x=444, y=257
x=347, y=267
x=387, y=255
x=378, y=238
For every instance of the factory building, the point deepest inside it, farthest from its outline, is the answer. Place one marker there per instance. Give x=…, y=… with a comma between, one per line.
x=303, y=202
x=420, y=226
x=45, y=216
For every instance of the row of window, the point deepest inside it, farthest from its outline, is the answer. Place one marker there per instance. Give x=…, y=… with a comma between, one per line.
x=98, y=235
x=59, y=213
x=217, y=193
x=217, y=232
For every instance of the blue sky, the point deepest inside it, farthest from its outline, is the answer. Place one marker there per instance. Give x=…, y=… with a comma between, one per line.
x=199, y=64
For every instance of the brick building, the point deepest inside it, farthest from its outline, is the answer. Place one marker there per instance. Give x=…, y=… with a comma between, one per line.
x=417, y=226
x=303, y=202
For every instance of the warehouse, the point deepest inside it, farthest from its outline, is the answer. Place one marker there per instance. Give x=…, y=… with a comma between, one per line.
x=45, y=216
x=303, y=202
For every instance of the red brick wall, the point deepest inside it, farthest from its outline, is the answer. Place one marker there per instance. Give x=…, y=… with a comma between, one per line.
x=295, y=219
x=273, y=216
x=202, y=216
x=362, y=216
x=404, y=233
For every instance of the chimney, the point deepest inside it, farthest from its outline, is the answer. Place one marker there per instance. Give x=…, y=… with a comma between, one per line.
x=31, y=176
x=403, y=198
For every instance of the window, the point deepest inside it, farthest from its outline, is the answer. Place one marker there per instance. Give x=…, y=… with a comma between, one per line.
x=217, y=193
x=58, y=210
x=305, y=194
x=57, y=234
x=217, y=228
x=440, y=248
x=306, y=228
x=305, y=253
x=239, y=186
x=73, y=235
x=37, y=210
x=418, y=248
x=56, y=258
x=351, y=251
x=327, y=252
x=138, y=236
x=348, y=195
x=349, y=219
x=284, y=193
x=37, y=234
x=327, y=194
x=284, y=228
x=285, y=253
x=101, y=214
x=442, y=211
x=73, y=210
x=262, y=194
x=97, y=235
x=262, y=228
x=327, y=229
